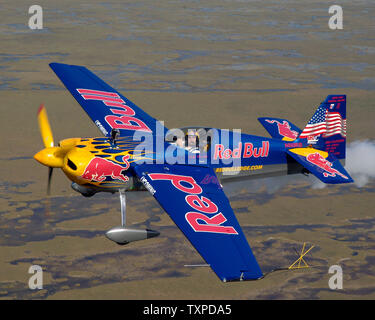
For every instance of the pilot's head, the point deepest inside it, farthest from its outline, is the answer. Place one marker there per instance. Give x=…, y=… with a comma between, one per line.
x=192, y=139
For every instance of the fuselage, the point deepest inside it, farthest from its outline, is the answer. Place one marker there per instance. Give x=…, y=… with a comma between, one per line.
x=104, y=165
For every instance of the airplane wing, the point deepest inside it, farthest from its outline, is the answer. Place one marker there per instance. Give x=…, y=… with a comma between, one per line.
x=104, y=105
x=321, y=164
x=195, y=201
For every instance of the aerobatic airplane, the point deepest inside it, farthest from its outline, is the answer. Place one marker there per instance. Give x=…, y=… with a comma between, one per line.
x=184, y=168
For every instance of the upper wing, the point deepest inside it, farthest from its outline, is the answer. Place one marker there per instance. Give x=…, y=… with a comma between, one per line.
x=194, y=199
x=105, y=106
x=321, y=164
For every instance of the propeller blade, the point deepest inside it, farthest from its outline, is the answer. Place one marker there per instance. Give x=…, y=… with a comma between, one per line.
x=45, y=128
x=50, y=170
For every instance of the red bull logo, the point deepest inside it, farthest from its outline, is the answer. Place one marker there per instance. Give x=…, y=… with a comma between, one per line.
x=121, y=116
x=285, y=129
x=249, y=151
x=318, y=160
x=99, y=169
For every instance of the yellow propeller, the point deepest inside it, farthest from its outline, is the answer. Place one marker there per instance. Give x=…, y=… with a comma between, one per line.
x=51, y=156
x=45, y=128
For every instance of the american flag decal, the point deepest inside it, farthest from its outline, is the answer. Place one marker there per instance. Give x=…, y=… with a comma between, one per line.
x=325, y=122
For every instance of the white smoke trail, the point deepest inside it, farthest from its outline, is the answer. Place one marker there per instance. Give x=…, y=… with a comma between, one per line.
x=360, y=161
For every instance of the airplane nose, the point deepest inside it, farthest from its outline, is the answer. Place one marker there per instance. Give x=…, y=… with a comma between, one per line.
x=49, y=158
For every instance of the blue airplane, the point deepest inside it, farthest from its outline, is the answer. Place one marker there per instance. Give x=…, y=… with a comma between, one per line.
x=184, y=168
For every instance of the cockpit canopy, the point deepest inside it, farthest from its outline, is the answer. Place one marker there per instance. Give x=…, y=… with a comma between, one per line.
x=191, y=137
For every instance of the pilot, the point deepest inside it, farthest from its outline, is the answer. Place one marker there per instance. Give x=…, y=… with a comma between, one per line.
x=192, y=142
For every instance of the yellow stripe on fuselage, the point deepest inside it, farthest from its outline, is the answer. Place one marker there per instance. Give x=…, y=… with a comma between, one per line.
x=306, y=151
x=287, y=139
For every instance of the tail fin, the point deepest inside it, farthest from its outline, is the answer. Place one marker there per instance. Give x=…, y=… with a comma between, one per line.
x=326, y=130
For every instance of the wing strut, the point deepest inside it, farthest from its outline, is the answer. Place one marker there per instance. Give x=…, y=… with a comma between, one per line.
x=123, y=207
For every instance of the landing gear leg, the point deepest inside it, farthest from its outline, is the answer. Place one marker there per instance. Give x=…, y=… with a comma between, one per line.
x=122, y=235
x=123, y=207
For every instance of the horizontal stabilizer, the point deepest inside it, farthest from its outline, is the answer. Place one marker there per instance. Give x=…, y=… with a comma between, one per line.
x=280, y=128
x=321, y=164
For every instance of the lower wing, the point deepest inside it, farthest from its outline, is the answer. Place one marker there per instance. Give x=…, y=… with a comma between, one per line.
x=195, y=201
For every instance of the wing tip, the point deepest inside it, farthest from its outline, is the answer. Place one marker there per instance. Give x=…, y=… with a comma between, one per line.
x=61, y=67
x=53, y=64
x=244, y=277
x=41, y=107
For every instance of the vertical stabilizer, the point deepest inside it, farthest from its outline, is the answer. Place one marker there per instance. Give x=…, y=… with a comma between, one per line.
x=326, y=130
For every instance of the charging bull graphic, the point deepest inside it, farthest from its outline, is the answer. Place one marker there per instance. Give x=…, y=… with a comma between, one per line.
x=99, y=169
x=321, y=162
x=285, y=129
